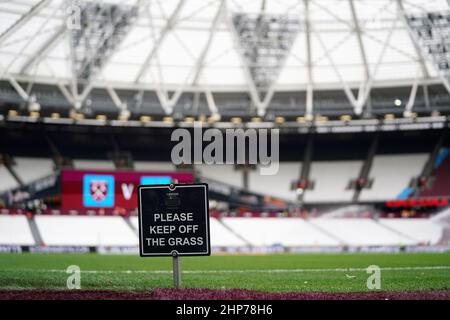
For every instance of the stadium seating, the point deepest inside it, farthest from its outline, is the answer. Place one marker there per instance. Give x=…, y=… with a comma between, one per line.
x=31, y=169
x=135, y=223
x=442, y=217
x=228, y=232
x=279, y=231
x=441, y=176
x=7, y=181
x=85, y=231
x=27, y=169
x=320, y=231
x=391, y=174
x=15, y=230
x=153, y=166
x=223, y=237
x=348, y=211
x=361, y=232
x=93, y=164
x=280, y=184
x=220, y=235
x=224, y=173
x=331, y=179
x=422, y=230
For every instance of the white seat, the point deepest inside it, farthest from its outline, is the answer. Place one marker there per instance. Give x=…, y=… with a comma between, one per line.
x=278, y=185
x=360, y=232
x=279, y=231
x=224, y=173
x=222, y=237
x=331, y=179
x=153, y=166
x=85, y=231
x=31, y=169
x=7, y=181
x=423, y=230
x=93, y=164
x=392, y=174
x=15, y=230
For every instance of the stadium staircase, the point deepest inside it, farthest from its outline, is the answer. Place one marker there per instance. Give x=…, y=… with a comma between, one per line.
x=322, y=230
x=443, y=218
x=430, y=165
x=130, y=224
x=35, y=231
x=367, y=165
x=399, y=233
x=306, y=165
x=235, y=233
x=445, y=240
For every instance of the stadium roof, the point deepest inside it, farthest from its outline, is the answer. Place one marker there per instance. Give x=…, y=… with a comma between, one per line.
x=180, y=45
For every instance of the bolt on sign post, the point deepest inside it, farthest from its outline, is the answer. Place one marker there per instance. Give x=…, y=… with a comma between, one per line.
x=174, y=221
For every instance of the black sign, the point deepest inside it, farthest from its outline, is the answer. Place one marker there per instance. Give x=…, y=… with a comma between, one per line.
x=173, y=220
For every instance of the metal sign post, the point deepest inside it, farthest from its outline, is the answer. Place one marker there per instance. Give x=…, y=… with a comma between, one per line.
x=176, y=260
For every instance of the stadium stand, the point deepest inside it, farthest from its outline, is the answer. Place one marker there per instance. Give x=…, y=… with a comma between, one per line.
x=440, y=177
x=422, y=230
x=280, y=184
x=153, y=166
x=85, y=231
x=442, y=217
x=7, y=181
x=350, y=211
x=288, y=232
x=331, y=180
x=229, y=232
x=384, y=168
x=30, y=169
x=223, y=173
x=361, y=232
x=221, y=236
x=134, y=223
x=15, y=230
x=93, y=164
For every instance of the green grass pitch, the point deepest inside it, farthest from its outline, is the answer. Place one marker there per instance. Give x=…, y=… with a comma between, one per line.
x=276, y=272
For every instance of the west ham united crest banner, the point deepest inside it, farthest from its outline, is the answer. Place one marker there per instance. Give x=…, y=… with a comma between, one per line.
x=111, y=189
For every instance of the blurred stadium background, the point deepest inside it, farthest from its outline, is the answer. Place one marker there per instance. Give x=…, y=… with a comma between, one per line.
x=90, y=92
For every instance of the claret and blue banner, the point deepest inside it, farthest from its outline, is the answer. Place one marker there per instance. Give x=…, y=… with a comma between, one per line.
x=111, y=189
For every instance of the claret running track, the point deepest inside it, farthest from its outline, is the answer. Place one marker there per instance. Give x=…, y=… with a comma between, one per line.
x=277, y=276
